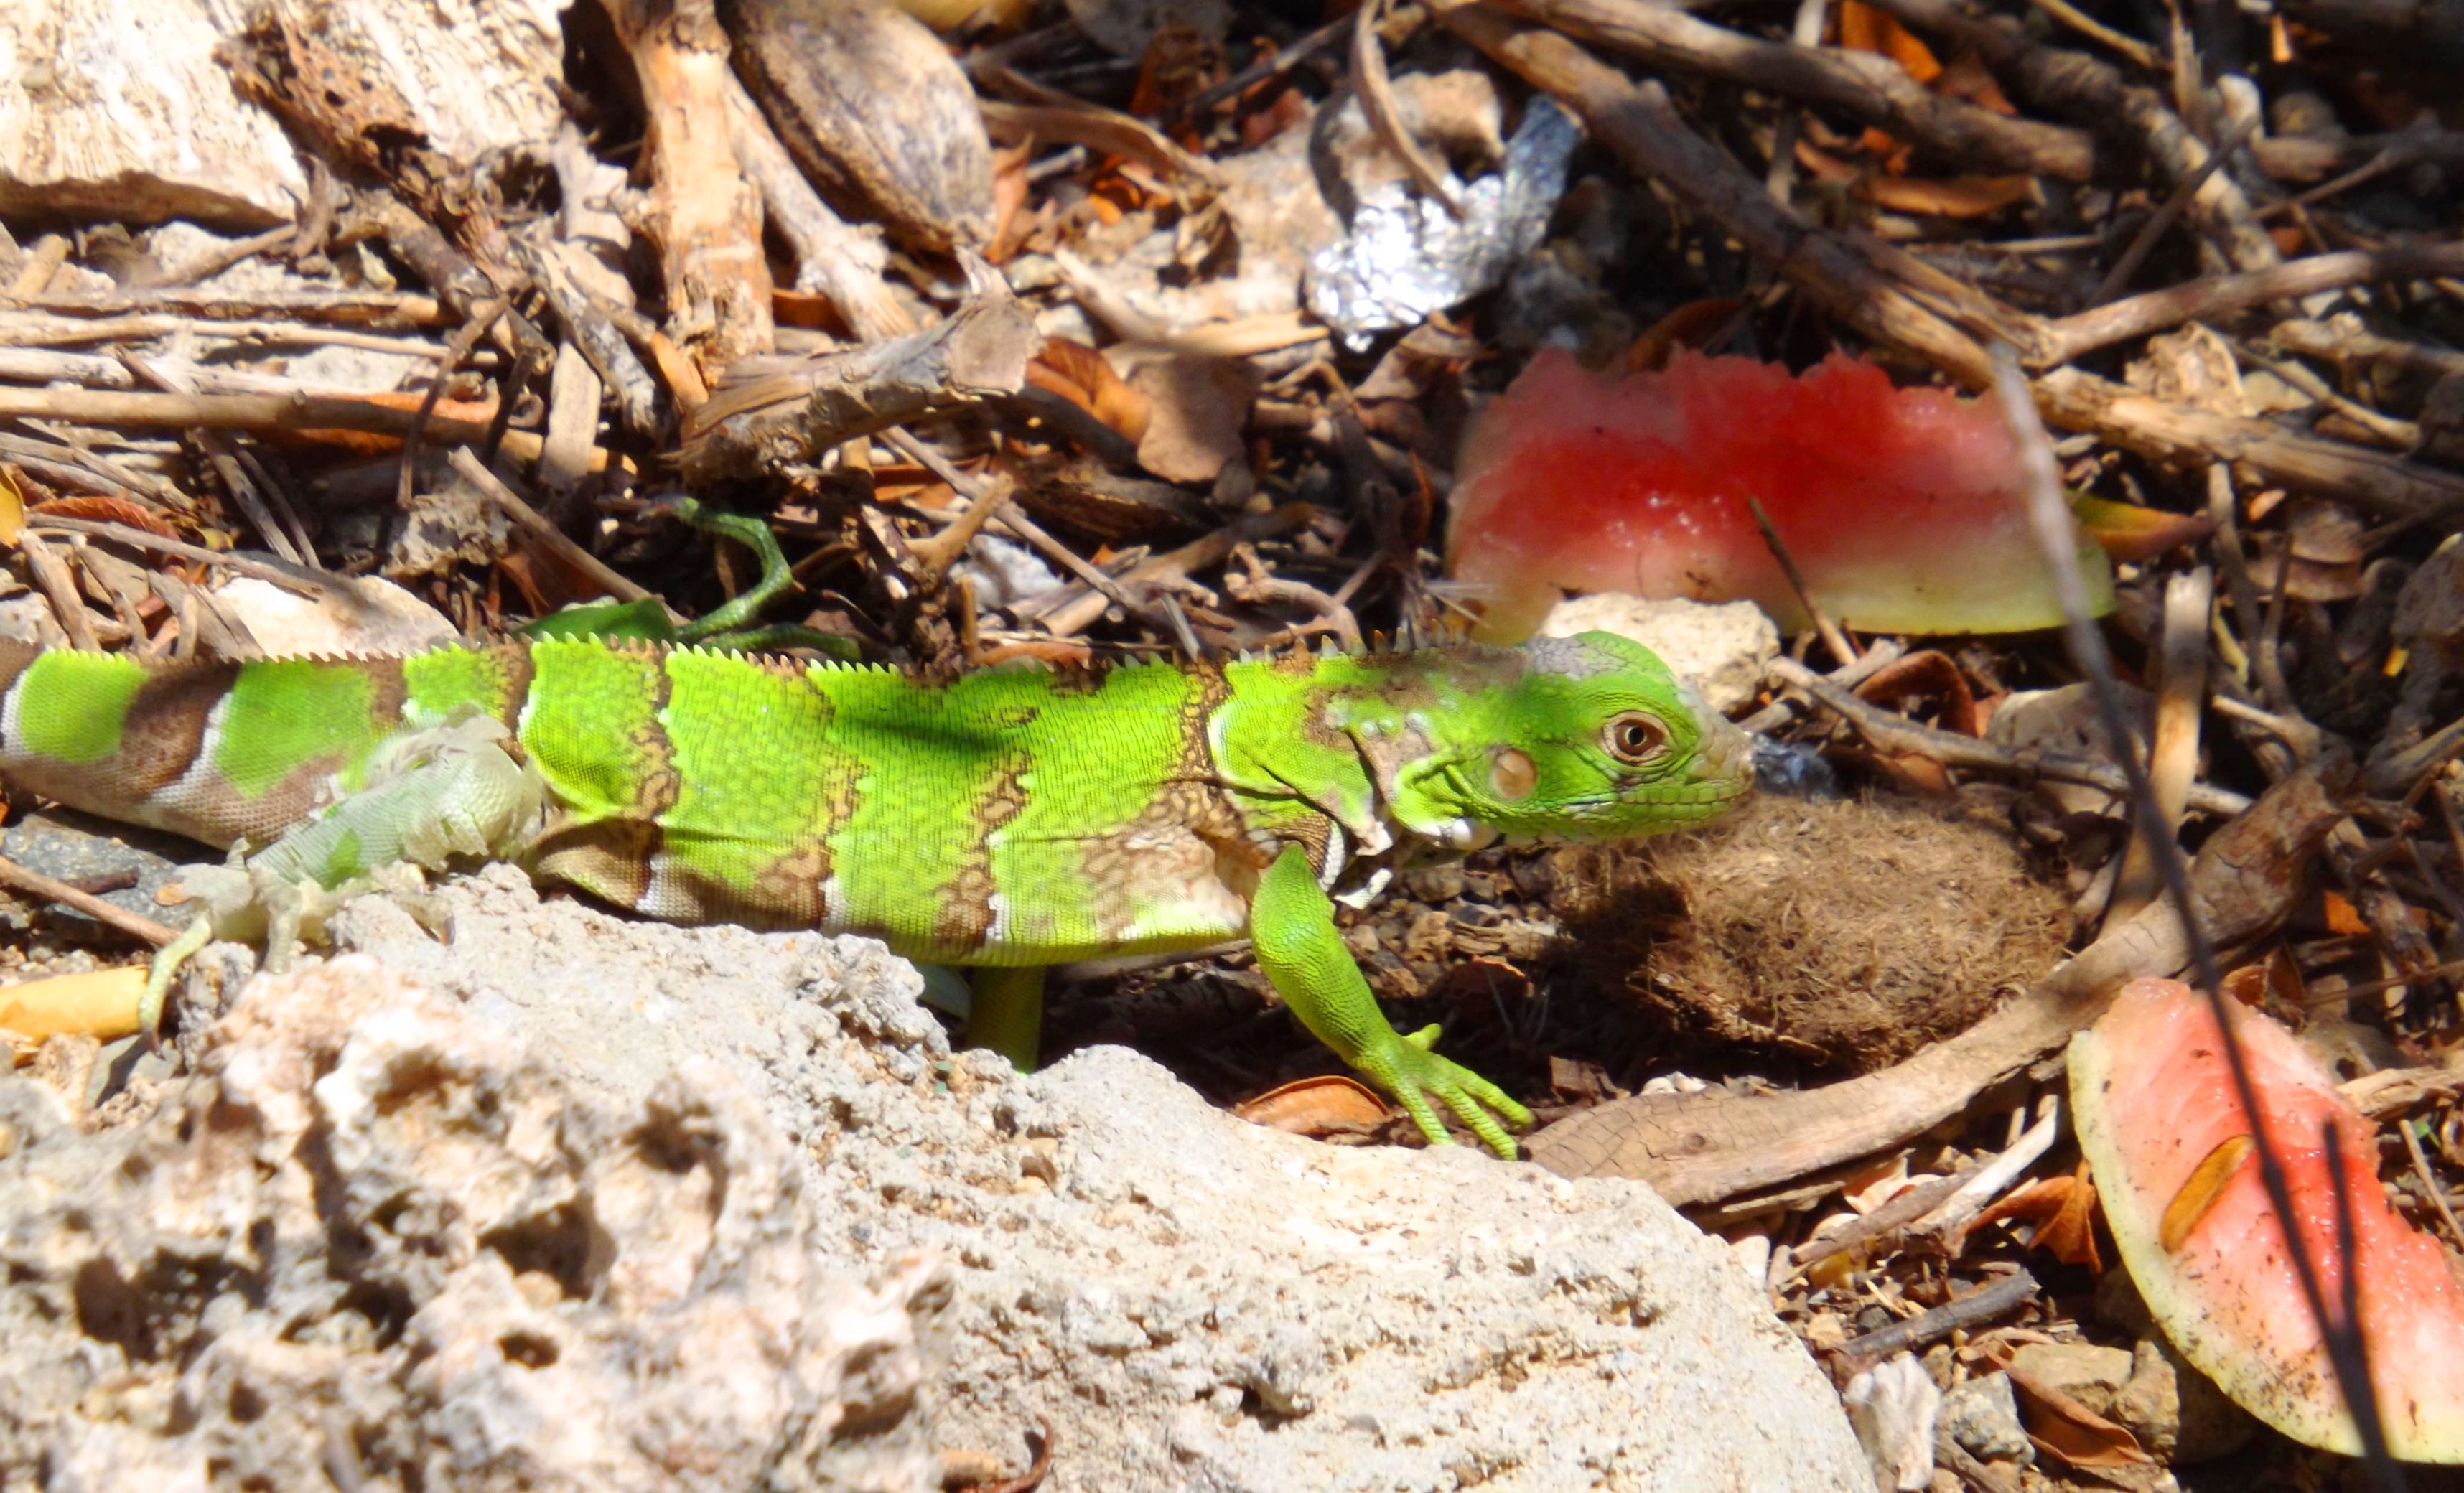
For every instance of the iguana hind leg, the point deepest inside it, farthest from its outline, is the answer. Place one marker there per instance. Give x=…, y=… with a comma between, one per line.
x=1291, y=925
x=1006, y=1013
x=454, y=793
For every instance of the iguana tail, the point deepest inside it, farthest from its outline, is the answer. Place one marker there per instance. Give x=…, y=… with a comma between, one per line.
x=224, y=751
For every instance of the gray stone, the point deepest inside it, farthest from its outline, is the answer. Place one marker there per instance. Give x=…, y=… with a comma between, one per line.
x=1192, y=1302
x=375, y=1241
x=2086, y=1372
x=2177, y=1412
x=1983, y=1416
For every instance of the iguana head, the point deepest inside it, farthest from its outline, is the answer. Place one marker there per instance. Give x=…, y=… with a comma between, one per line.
x=1589, y=737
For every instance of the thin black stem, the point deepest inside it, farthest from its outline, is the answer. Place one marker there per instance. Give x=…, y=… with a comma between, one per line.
x=2056, y=535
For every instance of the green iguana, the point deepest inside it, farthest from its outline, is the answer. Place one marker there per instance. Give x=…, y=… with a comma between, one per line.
x=1010, y=819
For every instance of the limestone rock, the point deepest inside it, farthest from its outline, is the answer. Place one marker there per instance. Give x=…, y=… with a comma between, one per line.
x=376, y=1236
x=1192, y=1301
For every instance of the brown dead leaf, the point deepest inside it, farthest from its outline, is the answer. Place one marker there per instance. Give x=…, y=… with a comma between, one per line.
x=1079, y=374
x=2063, y=1428
x=1864, y=29
x=1927, y=675
x=1200, y=405
x=2132, y=533
x=2342, y=917
x=1325, y=1105
x=2063, y=1209
x=1965, y=79
x=1824, y=166
x=1011, y=222
x=1867, y=1187
x=1944, y=197
x=1693, y=324
x=1947, y=197
x=1289, y=110
x=12, y=508
x=95, y=507
x=1179, y=63
x=2327, y=552
x=2274, y=981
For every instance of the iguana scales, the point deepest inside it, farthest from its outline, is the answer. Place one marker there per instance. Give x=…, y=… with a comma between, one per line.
x=1009, y=818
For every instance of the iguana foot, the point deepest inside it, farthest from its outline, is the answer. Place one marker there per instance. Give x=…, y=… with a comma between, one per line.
x=169, y=961
x=1407, y=1070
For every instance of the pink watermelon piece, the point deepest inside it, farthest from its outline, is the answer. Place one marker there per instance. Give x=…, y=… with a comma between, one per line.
x=2152, y=1100
x=1902, y=507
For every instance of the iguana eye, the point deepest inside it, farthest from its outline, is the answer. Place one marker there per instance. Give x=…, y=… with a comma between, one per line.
x=1633, y=738
x=1512, y=774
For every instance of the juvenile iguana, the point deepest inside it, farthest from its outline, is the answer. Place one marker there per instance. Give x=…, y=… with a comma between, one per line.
x=1011, y=818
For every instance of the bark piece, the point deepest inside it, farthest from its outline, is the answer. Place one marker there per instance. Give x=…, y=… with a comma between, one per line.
x=773, y=413
x=120, y=112
x=875, y=111
x=416, y=95
x=705, y=216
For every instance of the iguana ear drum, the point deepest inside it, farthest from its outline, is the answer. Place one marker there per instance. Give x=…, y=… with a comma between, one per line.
x=1511, y=775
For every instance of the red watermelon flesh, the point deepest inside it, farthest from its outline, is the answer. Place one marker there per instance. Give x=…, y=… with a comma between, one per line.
x=1902, y=507
x=2152, y=1100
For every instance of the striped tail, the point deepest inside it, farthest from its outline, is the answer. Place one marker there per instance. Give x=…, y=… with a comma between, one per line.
x=217, y=751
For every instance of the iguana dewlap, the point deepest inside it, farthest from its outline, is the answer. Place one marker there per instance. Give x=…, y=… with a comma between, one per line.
x=1011, y=818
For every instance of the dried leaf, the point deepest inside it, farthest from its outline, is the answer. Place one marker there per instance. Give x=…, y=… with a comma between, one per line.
x=98, y=508
x=1321, y=1106
x=1965, y=79
x=1868, y=1187
x=2069, y=1236
x=2131, y=533
x=1693, y=325
x=1947, y=197
x=1011, y=222
x=1199, y=406
x=12, y=508
x=1823, y=166
x=1864, y=29
x=2063, y=1428
x=809, y=310
x=1079, y=374
x=2342, y=917
x=1928, y=675
x=2063, y=1209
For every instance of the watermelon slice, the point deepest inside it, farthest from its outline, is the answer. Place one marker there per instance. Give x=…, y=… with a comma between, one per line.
x=2156, y=1116
x=1902, y=507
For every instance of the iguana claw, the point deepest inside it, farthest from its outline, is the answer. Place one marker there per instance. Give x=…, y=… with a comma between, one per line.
x=168, y=961
x=1407, y=1070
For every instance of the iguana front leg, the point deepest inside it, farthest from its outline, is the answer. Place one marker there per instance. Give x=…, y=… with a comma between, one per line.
x=1005, y=1012
x=1292, y=924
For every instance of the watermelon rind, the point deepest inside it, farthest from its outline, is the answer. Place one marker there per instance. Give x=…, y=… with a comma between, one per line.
x=2150, y=1099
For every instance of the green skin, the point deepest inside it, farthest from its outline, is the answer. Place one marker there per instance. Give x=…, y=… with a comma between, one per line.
x=1011, y=820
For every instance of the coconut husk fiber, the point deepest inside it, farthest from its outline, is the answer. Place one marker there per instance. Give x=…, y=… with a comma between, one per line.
x=1843, y=933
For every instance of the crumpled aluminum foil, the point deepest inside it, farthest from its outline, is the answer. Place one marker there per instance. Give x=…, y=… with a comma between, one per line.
x=1407, y=257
